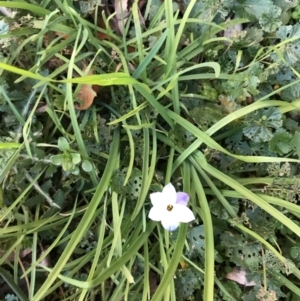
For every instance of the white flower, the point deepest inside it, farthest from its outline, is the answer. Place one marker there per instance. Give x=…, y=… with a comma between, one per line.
x=170, y=208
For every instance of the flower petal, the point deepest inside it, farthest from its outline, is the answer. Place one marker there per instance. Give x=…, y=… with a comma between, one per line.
x=182, y=213
x=170, y=222
x=182, y=198
x=158, y=199
x=169, y=193
x=156, y=214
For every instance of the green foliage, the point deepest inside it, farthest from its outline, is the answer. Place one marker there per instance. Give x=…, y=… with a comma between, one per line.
x=248, y=8
x=296, y=13
x=63, y=144
x=270, y=20
x=10, y=297
x=218, y=209
x=187, y=92
x=195, y=239
x=133, y=187
x=280, y=142
x=180, y=137
x=206, y=116
x=290, y=51
x=241, y=252
x=259, y=124
x=67, y=160
x=247, y=38
x=295, y=144
x=234, y=290
x=187, y=281
x=295, y=252
x=262, y=222
x=291, y=93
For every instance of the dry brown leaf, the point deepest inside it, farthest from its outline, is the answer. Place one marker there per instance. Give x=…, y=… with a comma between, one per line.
x=100, y=23
x=96, y=88
x=86, y=94
x=141, y=18
x=11, y=256
x=131, y=67
x=46, y=261
x=229, y=106
x=63, y=35
x=6, y=12
x=232, y=32
x=153, y=280
x=121, y=9
x=238, y=275
x=42, y=107
x=266, y=295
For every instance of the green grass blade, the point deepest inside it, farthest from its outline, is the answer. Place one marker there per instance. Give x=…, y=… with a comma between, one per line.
x=85, y=221
x=24, y=5
x=10, y=281
x=145, y=62
x=170, y=272
x=208, y=293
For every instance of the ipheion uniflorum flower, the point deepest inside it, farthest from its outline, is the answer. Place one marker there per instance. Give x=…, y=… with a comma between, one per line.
x=170, y=208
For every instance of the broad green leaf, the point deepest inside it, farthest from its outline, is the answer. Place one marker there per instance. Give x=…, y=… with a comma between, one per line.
x=251, y=9
x=270, y=20
x=259, y=124
x=291, y=93
x=290, y=50
x=63, y=144
x=76, y=158
x=57, y=159
x=67, y=165
x=295, y=144
x=280, y=142
x=87, y=166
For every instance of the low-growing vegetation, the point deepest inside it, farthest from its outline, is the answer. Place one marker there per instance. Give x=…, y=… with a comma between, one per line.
x=103, y=104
